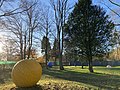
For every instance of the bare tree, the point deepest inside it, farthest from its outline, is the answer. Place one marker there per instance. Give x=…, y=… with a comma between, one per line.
x=22, y=26
x=11, y=11
x=14, y=25
x=10, y=48
x=32, y=16
x=46, y=24
x=18, y=27
x=60, y=12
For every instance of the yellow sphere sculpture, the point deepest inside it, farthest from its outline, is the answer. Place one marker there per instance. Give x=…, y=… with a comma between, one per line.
x=26, y=73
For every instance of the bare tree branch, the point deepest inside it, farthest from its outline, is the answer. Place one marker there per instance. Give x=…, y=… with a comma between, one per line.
x=113, y=10
x=15, y=11
x=114, y=3
x=1, y=3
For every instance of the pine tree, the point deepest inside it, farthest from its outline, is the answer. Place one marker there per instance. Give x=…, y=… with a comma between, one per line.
x=89, y=30
x=45, y=46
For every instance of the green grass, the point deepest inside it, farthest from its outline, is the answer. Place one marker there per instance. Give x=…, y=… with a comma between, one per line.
x=75, y=78
x=105, y=78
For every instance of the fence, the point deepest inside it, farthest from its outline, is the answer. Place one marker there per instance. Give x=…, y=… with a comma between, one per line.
x=96, y=63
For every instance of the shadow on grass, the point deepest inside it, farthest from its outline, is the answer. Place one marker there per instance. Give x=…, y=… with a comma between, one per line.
x=100, y=80
x=5, y=75
x=37, y=87
x=111, y=69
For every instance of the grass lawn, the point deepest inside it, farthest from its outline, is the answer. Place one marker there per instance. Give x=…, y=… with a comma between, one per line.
x=72, y=78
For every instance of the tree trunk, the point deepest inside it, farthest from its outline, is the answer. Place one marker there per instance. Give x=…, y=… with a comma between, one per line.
x=60, y=53
x=46, y=45
x=61, y=64
x=29, y=45
x=61, y=58
x=29, y=48
x=21, y=50
x=46, y=53
x=56, y=53
x=21, y=47
x=62, y=13
x=55, y=62
x=90, y=64
x=89, y=56
x=82, y=66
x=25, y=46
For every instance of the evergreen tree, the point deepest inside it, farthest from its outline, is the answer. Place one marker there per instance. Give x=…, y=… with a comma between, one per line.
x=45, y=46
x=89, y=30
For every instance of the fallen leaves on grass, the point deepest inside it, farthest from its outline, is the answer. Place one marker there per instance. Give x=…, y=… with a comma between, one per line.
x=53, y=86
